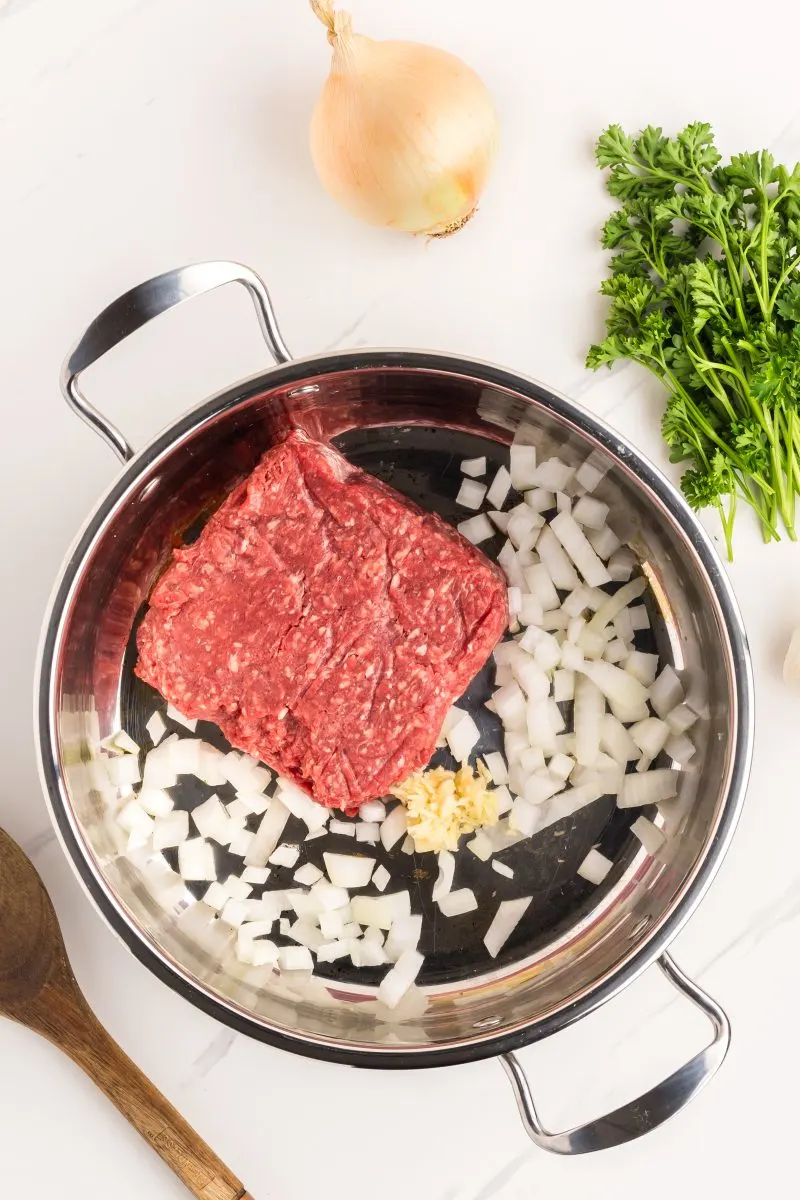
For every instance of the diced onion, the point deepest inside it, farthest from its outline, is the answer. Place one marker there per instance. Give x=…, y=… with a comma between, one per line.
x=553, y=474
x=474, y=467
x=284, y=856
x=369, y=832
x=156, y=727
x=155, y=801
x=455, y=904
x=680, y=719
x=196, y=860
x=577, y=546
x=496, y=766
x=620, y=689
x=595, y=867
x=471, y=494
x=268, y=835
x=667, y=692
x=651, y=787
x=399, y=979
x=559, y=566
x=505, y=921
x=648, y=834
x=171, y=830
x=381, y=878
x=680, y=748
x=349, y=870
x=643, y=667
x=502, y=868
x=382, y=912
x=180, y=719
x=590, y=513
x=444, y=880
x=588, y=718
x=476, y=529
x=295, y=958
x=394, y=827
x=500, y=520
x=463, y=738
x=499, y=489
x=523, y=467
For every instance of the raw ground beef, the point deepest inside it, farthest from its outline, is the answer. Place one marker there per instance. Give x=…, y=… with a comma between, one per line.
x=325, y=624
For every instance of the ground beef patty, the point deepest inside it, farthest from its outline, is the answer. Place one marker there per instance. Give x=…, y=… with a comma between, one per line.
x=324, y=622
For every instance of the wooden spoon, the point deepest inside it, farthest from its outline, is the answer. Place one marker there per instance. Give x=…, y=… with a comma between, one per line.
x=38, y=989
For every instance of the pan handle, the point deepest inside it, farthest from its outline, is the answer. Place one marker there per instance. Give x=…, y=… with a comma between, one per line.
x=650, y=1110
x=140, y=305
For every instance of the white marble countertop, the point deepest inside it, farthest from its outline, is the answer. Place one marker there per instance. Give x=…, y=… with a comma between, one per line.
x=138, y=135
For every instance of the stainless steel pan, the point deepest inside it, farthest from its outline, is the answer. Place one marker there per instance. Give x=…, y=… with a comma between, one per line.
x=408, y=417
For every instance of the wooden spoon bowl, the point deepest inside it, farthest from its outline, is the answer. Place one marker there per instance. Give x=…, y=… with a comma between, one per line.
x=39, y=990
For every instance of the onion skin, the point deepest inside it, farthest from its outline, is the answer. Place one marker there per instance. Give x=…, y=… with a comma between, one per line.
x=404, y=135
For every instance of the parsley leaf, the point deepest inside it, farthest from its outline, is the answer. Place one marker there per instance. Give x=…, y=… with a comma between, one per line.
x=704, y=291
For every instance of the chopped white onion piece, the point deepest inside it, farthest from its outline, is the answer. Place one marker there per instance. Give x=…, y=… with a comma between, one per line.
x=463, y=738
x=375, y=810
x=666, y=693
x=133, y=819
x=237, y=888
x=264, y=953
x=349, y=870
x=650, y=735
x=496, y=766
x=156, y=728
x=553, y=474
x=616, y=651
x=476, y=529
x=212, y=821
x=561, y=766
x=123, y=771
x=382, y=912
x=471, y=494
x=590, y=512
x=444, y=880
x=531, y=677
x=616, y=741
x=242, y=843
x=343, y=828
x=540, y=500
x=509, y=704
x=394, y=827
x=295, y=958
x=307, y=874
x=621, y=564
x=381, y=878
x=499, y=489
x=592, y=471
x=595, y=867
x=408, y=845
x=404, y=934
x=369, y=832
x=256, y=874
x=301, y=805
x=559, y=567
x=679, y=720
x=523, y=526
x=499, y=519
x=171, y=830
x=523, y=467
x=400, y=978
x=680, y=748
x=196, y=860
x=306, y=934
x=563, y=685
x=541, y=734
x=455, y=904
x=481, y=846
x=642, y=666
x=267, y=835
x=155, y=801
x=588, y=718
x=613, y=605
x=651, y=787
x=577, y=546
x=474, y=467
x=216, y=896
x=505, y=921
x=622, y=691
x=639, y=617
x=604, y=542
x=563, y=502
x=648, y=834
x=502, y=868
x=514, y=601
x=507, y=559
x=503, y=800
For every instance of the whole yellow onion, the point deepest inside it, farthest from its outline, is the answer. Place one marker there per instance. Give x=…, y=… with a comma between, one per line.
x=403, y=135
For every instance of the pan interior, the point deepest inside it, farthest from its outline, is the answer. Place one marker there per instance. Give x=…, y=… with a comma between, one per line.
x=411, y=428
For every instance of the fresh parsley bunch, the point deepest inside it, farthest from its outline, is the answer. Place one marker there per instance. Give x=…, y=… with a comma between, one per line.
x=705, y=292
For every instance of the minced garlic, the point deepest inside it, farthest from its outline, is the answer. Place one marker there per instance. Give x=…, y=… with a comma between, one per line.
x=442, y=805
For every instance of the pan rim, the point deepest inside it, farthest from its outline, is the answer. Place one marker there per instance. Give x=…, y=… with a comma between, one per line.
x=483, y=1045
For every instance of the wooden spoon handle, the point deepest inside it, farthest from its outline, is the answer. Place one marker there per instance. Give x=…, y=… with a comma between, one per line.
x=77, y=1032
